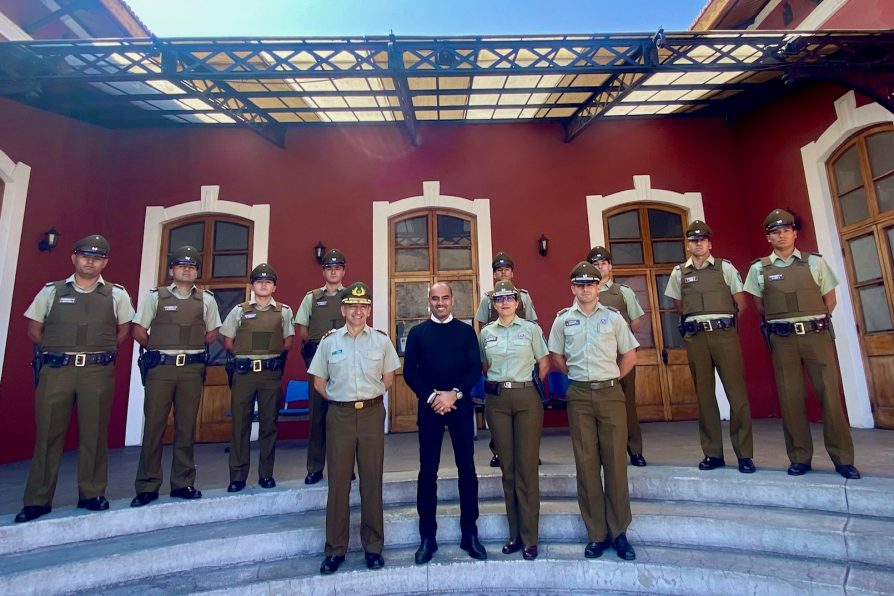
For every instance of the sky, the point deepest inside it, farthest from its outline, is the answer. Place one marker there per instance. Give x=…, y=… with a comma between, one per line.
x=315, y=18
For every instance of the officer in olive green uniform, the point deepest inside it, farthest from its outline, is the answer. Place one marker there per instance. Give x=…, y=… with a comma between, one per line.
x=259, y=332
x=77, y=325
x=708, y=292
x=353, y=368
x=510, y=348
x=624, y=300
x=174, y=323
x=584, y=343
x=319, y=313
x=796, y=295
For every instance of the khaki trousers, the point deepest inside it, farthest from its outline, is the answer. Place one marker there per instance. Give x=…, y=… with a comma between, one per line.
x=267, y=386
x=515, y=418
x=90, y=389
x=597, y=421
x=355, y=435
x=316, y=431
x=634, y=434
x=792, y=356
x=720, y=349
x=170, y=386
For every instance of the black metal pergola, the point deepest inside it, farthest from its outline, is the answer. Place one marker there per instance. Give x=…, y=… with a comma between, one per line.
x=269, y=85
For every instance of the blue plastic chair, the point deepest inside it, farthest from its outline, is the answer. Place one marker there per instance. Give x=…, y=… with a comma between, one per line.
x=296, y=399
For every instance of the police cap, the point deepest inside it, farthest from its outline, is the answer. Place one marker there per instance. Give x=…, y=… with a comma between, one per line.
x=778, y=218
x=599, y=252
x=263, y=271
x=502, y=260
x=357, y=293
x=505, y=288
x=333, y=256
x=698, y=230
x=186, y=255
x=93, y=245
x=585, y=273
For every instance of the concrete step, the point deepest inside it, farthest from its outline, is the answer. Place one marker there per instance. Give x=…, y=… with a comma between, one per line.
x=778, y=533
x=813, y=492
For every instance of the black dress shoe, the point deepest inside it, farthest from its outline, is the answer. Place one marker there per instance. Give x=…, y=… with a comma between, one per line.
x=711, y=463
x=594, y=550
x=513, y=546
x=374, y=561
x=425, y=551
x=623, y=548
x=94, y=504
x=848, y=471
x=313, y=478
x=235, y=486
x=495, y=461
x=187, y=492
x=30, y=512
x=530, y=552
x=473, y=546
x=267, y=482
x=746, y=466
x=331, y=564
x=798, y=469
x=143, y=499
x=637, y=459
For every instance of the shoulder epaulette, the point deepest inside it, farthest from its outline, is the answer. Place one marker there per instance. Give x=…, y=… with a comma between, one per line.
x=727, y=261
x=522, y=291
x=153, y=290
x=612, y=308
x=382, y=332
x=756, y=261
x=765, y=261
x=489, y=293
x=816, y=254
x=49, y=283
x=626, y=286
x=209, y=292
x=328, y=333
x=680, y=267
x=281, y=305
x=563, y=311
x=119, y=286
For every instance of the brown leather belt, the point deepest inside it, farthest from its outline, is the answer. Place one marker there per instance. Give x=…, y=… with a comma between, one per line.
x=494, y=387
x=595, y=384
x=359, y=404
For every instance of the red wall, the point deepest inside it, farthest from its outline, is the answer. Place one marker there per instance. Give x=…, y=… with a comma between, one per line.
x=855, y=14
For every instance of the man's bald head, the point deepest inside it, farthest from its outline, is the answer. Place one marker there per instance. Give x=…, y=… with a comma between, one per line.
x=440, y=301
x=439, y=288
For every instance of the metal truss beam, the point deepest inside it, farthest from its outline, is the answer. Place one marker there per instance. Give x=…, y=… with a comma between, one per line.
x=402, y=87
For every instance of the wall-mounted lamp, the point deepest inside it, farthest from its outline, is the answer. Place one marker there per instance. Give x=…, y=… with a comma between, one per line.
x=543, y=245
x=319, y=251
x=50, y=241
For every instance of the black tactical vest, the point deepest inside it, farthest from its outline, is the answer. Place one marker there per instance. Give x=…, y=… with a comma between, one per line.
x=790, y=291
x=325, y=314
x=179, y=324
x=613, y=297
x=81, y=322
x=492, y=312
x=704, y=292
x=260, y=333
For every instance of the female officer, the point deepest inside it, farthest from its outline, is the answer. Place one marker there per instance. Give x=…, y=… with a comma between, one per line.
x=510, y=346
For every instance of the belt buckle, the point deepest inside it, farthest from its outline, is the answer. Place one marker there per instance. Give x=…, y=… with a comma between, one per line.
x=507, y=384
x=358, y=405
x=257, y=365
x=80, y=359
x=707, y=326
x=180, y=360
x=799, y=328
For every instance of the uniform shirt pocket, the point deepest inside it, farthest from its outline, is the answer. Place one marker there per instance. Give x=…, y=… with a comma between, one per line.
x=373, y=361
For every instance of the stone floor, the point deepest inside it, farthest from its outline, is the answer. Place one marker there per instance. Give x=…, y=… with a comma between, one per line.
x=666, y=443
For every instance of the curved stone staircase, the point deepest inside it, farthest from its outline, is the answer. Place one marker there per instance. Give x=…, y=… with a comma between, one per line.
x=716, y=532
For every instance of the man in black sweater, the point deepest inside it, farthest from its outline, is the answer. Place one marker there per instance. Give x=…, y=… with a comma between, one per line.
x=441, y=365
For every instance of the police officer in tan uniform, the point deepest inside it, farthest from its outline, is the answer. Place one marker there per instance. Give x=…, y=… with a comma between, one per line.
x=76, y=325
x=795, y=293
x=174, y=323
x=259, y=333
x=353, y=368
x=708, y=292
x=319, y=313
x=584, y=343
x=624, y=300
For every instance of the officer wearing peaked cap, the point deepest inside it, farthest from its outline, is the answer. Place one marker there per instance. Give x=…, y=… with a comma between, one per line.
x=585, y=343
x=76, y=325
x=709, y=294
x=624, y=300
x=258, y=333
x=173, y=325
x=795, y=294
x=353, y=367
x=319, y=313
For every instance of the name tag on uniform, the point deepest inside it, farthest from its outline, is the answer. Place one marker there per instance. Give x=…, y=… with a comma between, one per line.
x=491, y=339
x=336, y=352
x=690, y=279
x=523, y=335
x=572, y=322
x=67, y=300
x=170, y=308
x=249, y=315
x=776, y=277
x=322, y=302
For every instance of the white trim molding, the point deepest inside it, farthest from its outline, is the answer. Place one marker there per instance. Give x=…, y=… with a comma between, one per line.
x=156, y=218
x=811, y=22
x=642, y=191
x=16, y=177
x=431, y=198
x=849, y=120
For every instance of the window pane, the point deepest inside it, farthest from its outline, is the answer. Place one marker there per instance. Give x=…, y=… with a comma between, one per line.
x=411, y=259
x=669, y=319
x=450, y=259
x=454, y=231
x=890, y=233
x=230, y=266
x=847, y=171
x=411, y=299
x=624, y=225
x=464, y=303
x=626, y=253
x=854, y=206
x=884, y=190
x=637, y=283
x=189, y=235
x=881, y=153
x=865, y=258
x=411, y=232
x=401, y=330
x=668, y=251
x=227, y=299
x=230, y=236
x=663, y=224
x=876, y=315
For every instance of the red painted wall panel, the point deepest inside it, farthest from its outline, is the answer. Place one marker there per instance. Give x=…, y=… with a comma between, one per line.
x=855, y=14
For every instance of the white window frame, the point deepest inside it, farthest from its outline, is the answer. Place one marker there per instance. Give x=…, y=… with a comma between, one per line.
x=16, y=177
